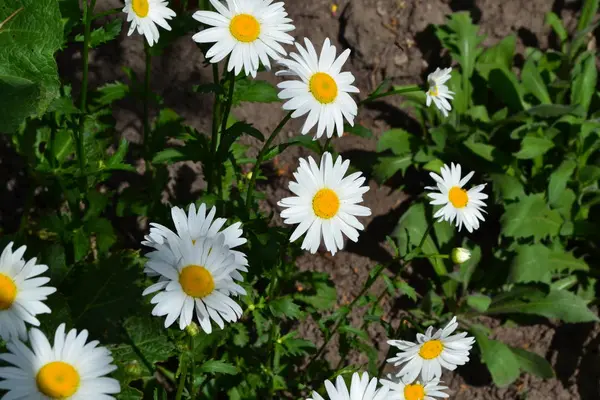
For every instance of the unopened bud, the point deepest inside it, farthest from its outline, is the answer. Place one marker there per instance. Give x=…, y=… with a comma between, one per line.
x=460, y=255
x=249, y=175
x=192, y=329
x=133, y=368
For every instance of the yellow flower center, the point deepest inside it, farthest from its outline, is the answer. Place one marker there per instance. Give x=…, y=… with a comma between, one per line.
x=434, y=91
x=458, y=197
x=58, y=380
x=140, y=7
x=245, y=28
x=431, y=349
x=196, y=281
x=414, y=392
x=8, y=292
x=326, y=203
x=323, y=87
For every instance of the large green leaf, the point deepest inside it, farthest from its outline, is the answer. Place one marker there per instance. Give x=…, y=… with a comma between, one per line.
x=507, y=88
x=533, y=146
x=533, y=82
x=584, y=82
x=388, y=166
x=252, y=90
x=398, y=141
x=530, y=216
x=500, y=360
x=558, y=181
x=28, y=73
x=533, y=363
x=530, y=264
x=561, y=260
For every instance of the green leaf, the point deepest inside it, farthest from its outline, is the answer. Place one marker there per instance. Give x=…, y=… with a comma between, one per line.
x=530, y=216
x=483, y=150
x=584, y=82
x=507, y=187
x=559, y=304
x=233, y=133
x=406, y=289
x=479, y=302
x=533, y=82
x=558, y=181
x=28, y=73
x=501, y=53
x=530, y=264
x=102, y=230
x=468, y=268
x=285, y=307
x=557, y=26
x=506, y=87
x=348, y=329
x=81, y=244
x=111, y=92
x=533, y=146
x=218, y=367
x=533, y=363
x=388, y=166
x=397, y=140
x=168, y=156
x=553, y=110
x=560, y=261
x=590, y=8
x=103, y=34
x=358, y=130
x=324, y=295
x=463, y=44
x=252, y=90
x=500, y=360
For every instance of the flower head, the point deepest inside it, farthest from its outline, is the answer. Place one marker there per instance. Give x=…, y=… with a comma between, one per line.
x=460, y=255
x=458, y=204
x=325, y=203
x=361, y=388
x=249, y=31
x=195, y=225
x=144, y=15
x=416, y=390
x=194, y=276
x=438, y=91
x=322, y=91
x=432, y=352
x=22, y=292
x=68, y=369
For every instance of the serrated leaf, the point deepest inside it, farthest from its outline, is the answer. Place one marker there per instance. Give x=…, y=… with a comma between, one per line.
x=397, y=140
x=81, y=244
x=530, y=264
x=348, y=329
x=406, y=290
x=28, y=72
x=252, y=90
x=500, y=360
x=297, y=347
x=533, y=363
x=584, y=83
x=533, y=82
x=558, y=181
x=218, y=367
x=103, y=34
x=530, y=216
x=559, y=304
x=560, y=260
x=285, y=306
x=533, y=146
x=507, y=187
x=388, y=166
x=168, y=156
x=324, y=296
x=111, y=92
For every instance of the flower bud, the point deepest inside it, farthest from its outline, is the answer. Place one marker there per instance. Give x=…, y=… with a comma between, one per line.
x=192, y=329
x=133, y=368
x=460, y=255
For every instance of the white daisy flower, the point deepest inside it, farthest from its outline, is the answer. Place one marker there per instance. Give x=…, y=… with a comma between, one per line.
x=431, y=353
x=414, y=391
x=197, y=224
x=438, y=91
x=326, y=203
x=69, y=369
x=22, y=293
x=464, y=206
x=322, y=90
x=194, y=276
x=248, y=30
x=144, y=15
x=360, y=389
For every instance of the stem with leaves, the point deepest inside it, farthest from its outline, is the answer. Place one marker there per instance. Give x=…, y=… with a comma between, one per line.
x=261, y=155
x=181, y=384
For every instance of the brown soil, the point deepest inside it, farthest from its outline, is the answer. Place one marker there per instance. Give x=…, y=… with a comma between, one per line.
x=389, y=39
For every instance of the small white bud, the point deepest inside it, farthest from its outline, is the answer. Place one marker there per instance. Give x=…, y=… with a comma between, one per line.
x=460, y=255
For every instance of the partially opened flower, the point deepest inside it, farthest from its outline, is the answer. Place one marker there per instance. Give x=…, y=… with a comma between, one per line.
x=322, y=89
x=194, y=276
x=325, y=203
x=431, y=353
x=22, y=292
x=457, y=203
x=428, y=390
x=197, y=224
x=361, y=388
x=249, y=31
x=144, y=15
x=438, y=91
x=68, y=369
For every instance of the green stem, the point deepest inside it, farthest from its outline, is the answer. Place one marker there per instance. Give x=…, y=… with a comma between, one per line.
x=181, y=385
x=327, y=142
x=261, y=156
x=147, y=101
x=229, y=102
x=192, y=367
x=408, y=89
x=214, y=141
x=107, y=13
x=88, y=10
x=432, y=256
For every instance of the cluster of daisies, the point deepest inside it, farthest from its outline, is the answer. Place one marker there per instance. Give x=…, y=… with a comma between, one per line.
x=197, y=269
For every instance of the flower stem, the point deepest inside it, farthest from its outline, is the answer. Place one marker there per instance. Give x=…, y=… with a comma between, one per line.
x=193, y=364
x=181, y=384
x=261, y=156
x=408, y=89
x=214, y=140
x=88, y=10
x=147, y=101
